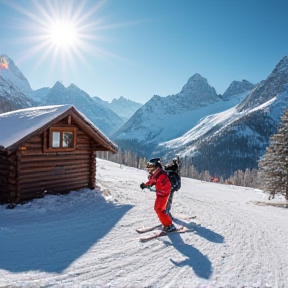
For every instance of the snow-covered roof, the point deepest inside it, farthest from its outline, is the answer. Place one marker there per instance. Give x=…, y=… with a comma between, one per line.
x=18, y=125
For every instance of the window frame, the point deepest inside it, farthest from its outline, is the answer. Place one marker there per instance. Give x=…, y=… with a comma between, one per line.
x=61, y=130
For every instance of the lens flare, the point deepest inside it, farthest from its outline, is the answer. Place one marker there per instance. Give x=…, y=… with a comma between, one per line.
x=4, y=63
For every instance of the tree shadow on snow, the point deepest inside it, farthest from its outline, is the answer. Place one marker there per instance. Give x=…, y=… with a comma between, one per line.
x=200, y=263
x=54, y=242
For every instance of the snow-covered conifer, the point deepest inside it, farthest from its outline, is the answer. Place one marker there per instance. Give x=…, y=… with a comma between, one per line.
x=273, y=167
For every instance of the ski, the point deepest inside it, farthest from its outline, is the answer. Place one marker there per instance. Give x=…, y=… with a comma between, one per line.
x=148, y=229
x=178, y=219
x=183, y=217
x=161, y=233
x=186, y=221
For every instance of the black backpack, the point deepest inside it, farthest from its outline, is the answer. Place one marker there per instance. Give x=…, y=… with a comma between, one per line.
x=172, y=170
x=175, y=180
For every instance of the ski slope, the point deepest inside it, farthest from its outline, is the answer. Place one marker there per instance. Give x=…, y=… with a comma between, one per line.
x=88, y=238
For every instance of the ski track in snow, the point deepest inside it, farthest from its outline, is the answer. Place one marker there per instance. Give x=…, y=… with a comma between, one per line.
x=81, y=240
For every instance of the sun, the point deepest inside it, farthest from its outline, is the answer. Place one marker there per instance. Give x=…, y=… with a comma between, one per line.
x=63, y=33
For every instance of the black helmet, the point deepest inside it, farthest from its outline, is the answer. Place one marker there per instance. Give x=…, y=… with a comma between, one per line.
x=153, y=164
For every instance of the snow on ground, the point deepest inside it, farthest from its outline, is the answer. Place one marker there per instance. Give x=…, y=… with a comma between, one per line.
x=88, y=238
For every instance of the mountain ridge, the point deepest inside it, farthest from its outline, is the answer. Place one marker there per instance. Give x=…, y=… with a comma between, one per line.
x=166, y=118
x=105, y=119
x=123, y=107
x=16, y=93
x=236, y=138
x=196, y=122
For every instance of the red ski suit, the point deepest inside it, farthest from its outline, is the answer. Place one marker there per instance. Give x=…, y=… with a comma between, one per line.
x=163, y=188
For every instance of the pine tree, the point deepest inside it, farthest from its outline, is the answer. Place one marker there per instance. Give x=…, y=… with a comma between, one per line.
x=273, y=167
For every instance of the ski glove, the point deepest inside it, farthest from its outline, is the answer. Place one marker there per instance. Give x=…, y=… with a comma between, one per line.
x=142, y=186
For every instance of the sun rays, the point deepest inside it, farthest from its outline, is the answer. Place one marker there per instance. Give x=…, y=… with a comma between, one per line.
x=62, y=32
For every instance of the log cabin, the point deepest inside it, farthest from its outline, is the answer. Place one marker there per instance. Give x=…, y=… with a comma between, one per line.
x=48, y=149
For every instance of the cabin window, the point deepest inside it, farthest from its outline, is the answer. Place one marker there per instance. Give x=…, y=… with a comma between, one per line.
x=62, y=139
x=56, y=139
x=67, y=140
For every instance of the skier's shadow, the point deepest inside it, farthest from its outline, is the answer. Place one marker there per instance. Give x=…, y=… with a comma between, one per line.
x=201, y=231
x=208, y=234
x=200, y=263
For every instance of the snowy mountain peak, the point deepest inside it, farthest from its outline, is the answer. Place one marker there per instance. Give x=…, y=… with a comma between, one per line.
x=266, y=90
x=123, y=107
x=72, y=86
x=10, y=73
x=58, y=86
x=236, y=88
x=194, y=83
x=283, y=64
x=197, y=93
x=197, y=77
x=120, y=99
x=75, y=89
x=123, y=102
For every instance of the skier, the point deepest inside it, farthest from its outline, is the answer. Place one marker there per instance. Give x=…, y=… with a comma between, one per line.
x=175, y=167
x=159, y=178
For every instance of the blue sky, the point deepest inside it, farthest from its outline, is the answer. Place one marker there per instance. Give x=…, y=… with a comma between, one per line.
x=138, y=48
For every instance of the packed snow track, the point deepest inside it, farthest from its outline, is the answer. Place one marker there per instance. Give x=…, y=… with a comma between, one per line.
x=88, y=238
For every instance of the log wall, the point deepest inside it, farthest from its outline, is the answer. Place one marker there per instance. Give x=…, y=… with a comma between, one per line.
x=8, y=177
x=54, y=173
x=30, y=173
